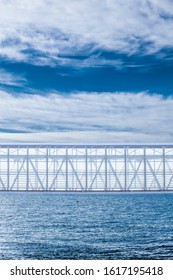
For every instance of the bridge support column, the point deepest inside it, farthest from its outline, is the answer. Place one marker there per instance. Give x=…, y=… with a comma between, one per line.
x=86, y=169
x=106, y=170
x=66, y=170
x=145, y=170
x=164, y=175
x=125, y=168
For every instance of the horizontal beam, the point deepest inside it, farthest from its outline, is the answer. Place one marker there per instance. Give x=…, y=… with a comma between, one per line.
x=82, y=157
x=98, y=146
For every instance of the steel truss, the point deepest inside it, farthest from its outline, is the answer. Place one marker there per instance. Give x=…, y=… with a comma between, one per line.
x=50, y=167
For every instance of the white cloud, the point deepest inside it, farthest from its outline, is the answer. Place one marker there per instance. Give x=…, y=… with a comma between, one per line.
x=84, y=137
x=11, y=79
x=68, y=27
x=105, y=117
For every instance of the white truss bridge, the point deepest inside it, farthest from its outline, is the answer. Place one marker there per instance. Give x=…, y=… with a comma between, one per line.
x=90, y=167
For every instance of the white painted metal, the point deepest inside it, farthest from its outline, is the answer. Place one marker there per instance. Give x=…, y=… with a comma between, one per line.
x=111, y=167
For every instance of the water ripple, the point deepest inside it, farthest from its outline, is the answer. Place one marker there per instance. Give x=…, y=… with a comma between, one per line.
x=86, y=226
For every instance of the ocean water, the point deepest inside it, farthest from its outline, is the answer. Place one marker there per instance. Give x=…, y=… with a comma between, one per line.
x=86, y=226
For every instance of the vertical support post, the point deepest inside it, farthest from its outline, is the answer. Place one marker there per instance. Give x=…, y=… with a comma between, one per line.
x=86, y=169
x=54, y=170
x=8, y=169
x=145, y=170
x=27, y=170
x=125, y=168
x=66, y=171
x=47, y=168
x=36, y=168
x=164, y=175
x=106, y=171
x=18, y=168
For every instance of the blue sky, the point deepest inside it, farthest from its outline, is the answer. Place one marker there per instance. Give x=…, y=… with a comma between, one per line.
x=86, y=71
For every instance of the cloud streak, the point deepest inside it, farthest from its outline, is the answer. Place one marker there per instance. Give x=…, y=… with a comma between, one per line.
x=118, y=116
x=11, y=79
x=47, y=32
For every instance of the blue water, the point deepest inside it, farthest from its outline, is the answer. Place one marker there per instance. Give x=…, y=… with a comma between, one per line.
x=86, y=226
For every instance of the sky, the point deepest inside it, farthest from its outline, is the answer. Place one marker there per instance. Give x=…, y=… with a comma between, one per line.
x=86, y=71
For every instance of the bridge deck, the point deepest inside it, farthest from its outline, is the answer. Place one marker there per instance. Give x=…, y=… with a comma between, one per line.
x=86, y=167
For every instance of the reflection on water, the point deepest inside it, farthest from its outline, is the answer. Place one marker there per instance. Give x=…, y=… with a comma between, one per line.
x=86, y=226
